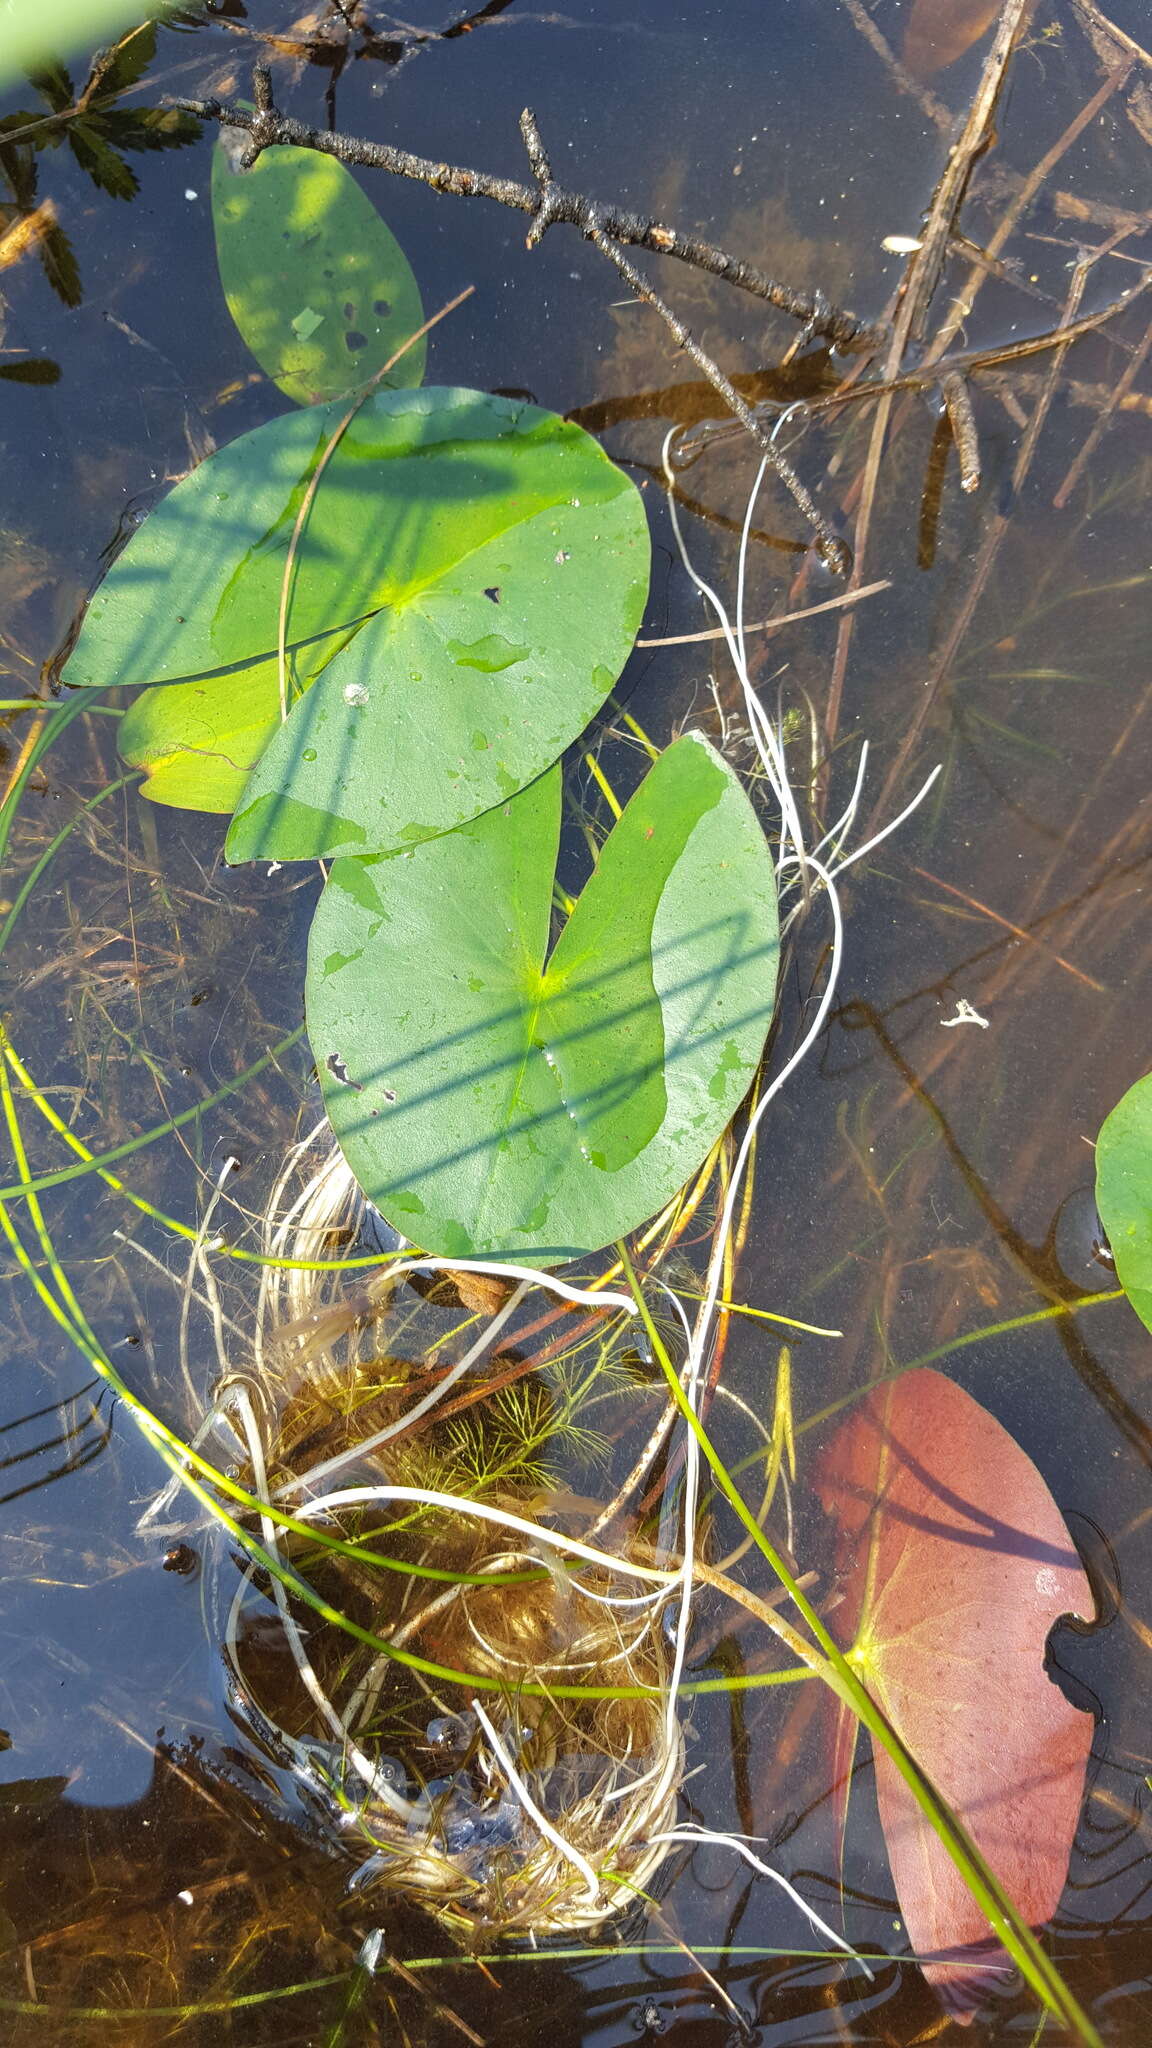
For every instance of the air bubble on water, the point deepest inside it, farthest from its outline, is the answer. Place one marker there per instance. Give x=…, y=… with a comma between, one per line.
x=450, y=1734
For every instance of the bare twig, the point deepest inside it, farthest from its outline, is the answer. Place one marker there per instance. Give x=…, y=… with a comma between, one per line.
x=993, y=538
x=832, y=549
x=924, y=270
x=962, y=420
x=919, y=285
x=964, y=299
x=1100, y=427
x=924, y=376
x=270, y=129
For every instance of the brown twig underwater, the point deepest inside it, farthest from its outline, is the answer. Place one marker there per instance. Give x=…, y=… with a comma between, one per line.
x=609, y=227
x=606, y=227
x=270, y=129
x=919, y=284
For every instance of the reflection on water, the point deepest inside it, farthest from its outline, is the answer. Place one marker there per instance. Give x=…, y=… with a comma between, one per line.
x=924, y=1188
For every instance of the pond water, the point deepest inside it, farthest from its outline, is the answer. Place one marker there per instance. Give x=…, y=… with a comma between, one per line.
x=923, y=1188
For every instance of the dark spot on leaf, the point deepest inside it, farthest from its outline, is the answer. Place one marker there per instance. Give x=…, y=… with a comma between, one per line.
x=493, y=592
x=383, y=307
x=349, y=310
x=354, y=340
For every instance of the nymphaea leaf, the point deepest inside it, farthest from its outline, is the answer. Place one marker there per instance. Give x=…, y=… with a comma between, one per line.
x=492, y=1099
x=317, y=284
x=467, y=588
x=1124, y=1192
x=955, y=1564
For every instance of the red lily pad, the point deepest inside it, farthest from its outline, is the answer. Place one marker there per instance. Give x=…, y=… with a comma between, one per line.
x=956, y=1564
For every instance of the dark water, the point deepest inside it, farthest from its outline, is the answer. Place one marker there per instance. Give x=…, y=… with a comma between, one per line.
x=919, y=1184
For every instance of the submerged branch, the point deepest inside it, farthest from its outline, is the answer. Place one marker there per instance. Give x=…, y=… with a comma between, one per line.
x=270, y=129
x=606, y=228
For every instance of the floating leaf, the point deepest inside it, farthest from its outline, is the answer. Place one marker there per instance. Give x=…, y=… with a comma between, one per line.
x=940, y=31
x=489, y=1101
x=517, y=568
x=199, y=742
x=957, y=1563
x=1124, y=1192
x=469, y=579
x=316, y=282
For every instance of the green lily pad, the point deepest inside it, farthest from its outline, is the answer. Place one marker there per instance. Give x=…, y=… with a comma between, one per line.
x=492, y=1100
x=317, y=284
x=198, y=742
x=467, y=587
x=1124, y=1192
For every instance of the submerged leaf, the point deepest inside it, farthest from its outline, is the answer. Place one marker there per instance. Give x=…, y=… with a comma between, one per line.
x=1124, y=1192
x=940, y=31
x=489, y=1101
x=95, y=154
x=469, y=581
x=316, y=282
x=956, y=1564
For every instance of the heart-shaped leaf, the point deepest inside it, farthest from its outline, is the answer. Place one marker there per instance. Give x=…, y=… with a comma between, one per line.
x=318, y=286
x=468, y=584
x=1124, y=1192
x=956, y=1562
x=489, y=1100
